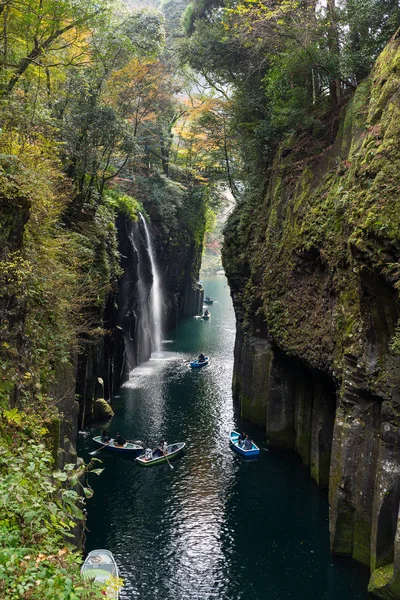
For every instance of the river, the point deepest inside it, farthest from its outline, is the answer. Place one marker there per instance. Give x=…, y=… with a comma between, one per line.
x=216, y=525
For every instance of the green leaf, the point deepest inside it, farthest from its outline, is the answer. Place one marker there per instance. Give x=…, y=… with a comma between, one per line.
x=97, y=471
x=88, y=492
x=69, y=467
x=30, y=515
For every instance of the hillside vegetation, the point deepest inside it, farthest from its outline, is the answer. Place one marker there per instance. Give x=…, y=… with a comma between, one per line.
x=95, y=122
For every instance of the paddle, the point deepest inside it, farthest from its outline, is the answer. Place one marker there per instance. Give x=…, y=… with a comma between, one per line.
x=96, y=451
x=167, y=460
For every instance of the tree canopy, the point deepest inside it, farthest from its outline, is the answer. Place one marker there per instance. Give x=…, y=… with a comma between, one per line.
x=289, y=65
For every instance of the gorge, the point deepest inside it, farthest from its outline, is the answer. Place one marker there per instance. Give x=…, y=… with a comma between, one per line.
x=123, y=131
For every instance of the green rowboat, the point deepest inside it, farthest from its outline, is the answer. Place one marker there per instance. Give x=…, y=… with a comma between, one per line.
x=100, y=565
x=149, y=458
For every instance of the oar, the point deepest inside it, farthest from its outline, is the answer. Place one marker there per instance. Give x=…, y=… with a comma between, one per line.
x=167, y=460
x=99, y=450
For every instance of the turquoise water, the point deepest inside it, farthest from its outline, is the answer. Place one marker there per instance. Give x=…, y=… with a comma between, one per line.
x=216, y=525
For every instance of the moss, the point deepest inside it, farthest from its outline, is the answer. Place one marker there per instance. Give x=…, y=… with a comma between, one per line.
x=383, y=584
x=336, y=474
x=245, y=402
x=381, y=577
x=362, y=541
x=342, y=544
x=102, y=411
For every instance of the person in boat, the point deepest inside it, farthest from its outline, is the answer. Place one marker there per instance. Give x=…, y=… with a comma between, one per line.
x=119, y=440
x=105, y=438
x=202, y=358
x=206, y=313
x=160, y=450
x=247, y=445
x=241, y=438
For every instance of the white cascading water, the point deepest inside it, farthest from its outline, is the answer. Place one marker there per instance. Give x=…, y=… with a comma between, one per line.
x=156, y=295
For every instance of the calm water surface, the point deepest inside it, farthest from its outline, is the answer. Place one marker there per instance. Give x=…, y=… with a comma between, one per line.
x=216, y=525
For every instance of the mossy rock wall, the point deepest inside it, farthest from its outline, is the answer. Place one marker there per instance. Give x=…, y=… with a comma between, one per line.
x=314, y=269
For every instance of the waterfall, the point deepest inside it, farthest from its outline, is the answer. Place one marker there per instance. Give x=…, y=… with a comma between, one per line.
x=155, y=295
x=139, y=300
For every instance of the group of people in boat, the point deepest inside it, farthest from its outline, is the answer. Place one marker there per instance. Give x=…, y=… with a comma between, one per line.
x=244, y=441
x=119, y=440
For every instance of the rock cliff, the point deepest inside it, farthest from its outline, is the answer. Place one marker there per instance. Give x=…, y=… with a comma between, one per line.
x=314, y=269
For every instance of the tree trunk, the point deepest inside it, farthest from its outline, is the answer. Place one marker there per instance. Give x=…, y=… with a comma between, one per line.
x=164, y=149
x=334, y=49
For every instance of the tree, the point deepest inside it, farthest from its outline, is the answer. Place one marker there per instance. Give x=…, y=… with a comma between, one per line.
x=286, y=65
x=205, y=144
x=100, y=133
x=33, y=31
x=366, y=27
x=143, y=94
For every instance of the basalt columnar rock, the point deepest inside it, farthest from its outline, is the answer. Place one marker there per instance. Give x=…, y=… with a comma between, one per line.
x=314, y=269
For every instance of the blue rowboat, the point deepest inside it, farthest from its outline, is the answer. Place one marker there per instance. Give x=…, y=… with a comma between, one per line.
x=207, y=300
x=100, y=566
x=234, y=439
x=129, y=447
x=197, y=363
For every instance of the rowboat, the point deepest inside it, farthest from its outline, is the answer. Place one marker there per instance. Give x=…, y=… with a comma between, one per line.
x=206, y=316
x=199, y=363
x=100, y=565
x=234, y=439
x=207, y=300
x=150, y=457
x=130, y=447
